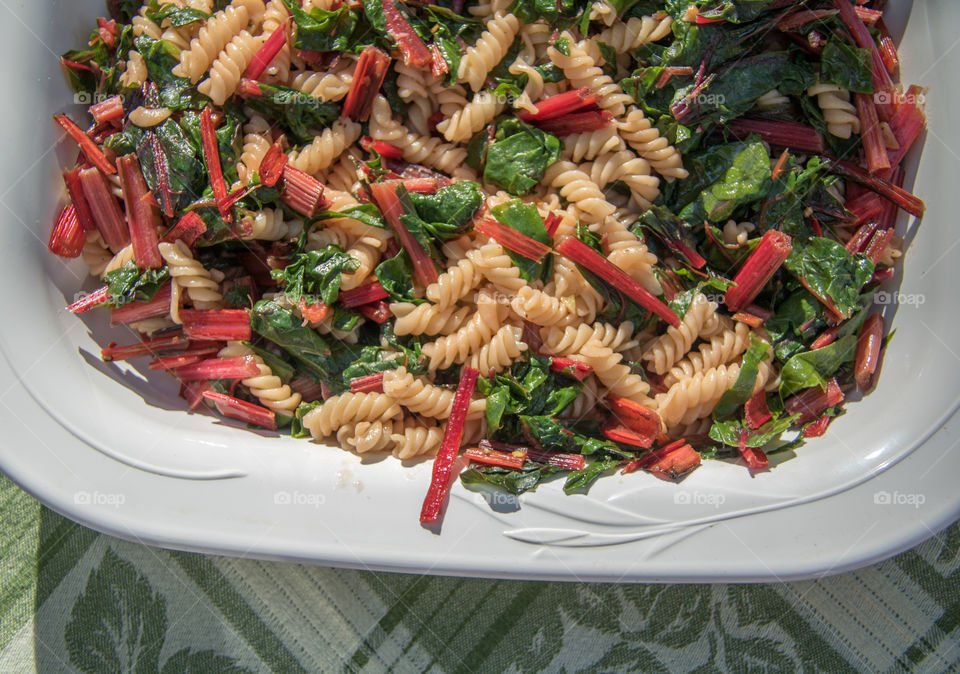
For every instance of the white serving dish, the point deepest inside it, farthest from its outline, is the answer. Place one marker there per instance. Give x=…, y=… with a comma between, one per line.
x=111, y=447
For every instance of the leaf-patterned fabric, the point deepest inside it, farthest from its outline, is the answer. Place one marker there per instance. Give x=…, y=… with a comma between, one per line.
x=75, y=600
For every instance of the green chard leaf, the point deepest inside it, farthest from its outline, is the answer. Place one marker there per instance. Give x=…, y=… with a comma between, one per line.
x=295, y=112
x=368, y=214
x=129, y=284
x=742, y=389
x=525, y=218
x=579, y=481
x=830, y=271
x=727, y=433
x=454, y=205
x=519, y=155
x=847, y=66
x=396, y=276
x=296, y=425
x=320, y=30
x=512, y=481
x=814, y=368
x=314, y=276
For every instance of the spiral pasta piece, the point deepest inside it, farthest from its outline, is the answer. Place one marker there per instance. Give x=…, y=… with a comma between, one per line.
x=267, y=387
x=367, y=436
x=413, y=89
x=188, y=274
x=427, y=319
x=368, y=256
x=468, y=340
x=472, y=117
x=636, y=32
x=275, y=18
x=609, y=369
x=488, y=51
x=838, y=112
x=576, y=187
x=695, y=397
x=629, y=253
x=499, y=353
x=330, y=85
x=587, y=401
x=721, y=349
x=134, y=70
x=629, y=169
x=646, y=141
x=589, y=145
x=326, y=147
x=347, y=408
x=453, y=284
x=571, y=339
x=256, y=144
x=736, y=234
x=540, y=308
x=423, y=398
x=664, y=351
x=265, y=225
x=95, y=253
x=497, y=267
x=414, y=439
x=581, y=69
x=219, y=30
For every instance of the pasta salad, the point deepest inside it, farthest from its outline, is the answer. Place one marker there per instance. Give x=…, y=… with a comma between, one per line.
x=562, y=238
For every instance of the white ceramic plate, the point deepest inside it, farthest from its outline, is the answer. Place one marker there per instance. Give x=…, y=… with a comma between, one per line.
x=109, y=445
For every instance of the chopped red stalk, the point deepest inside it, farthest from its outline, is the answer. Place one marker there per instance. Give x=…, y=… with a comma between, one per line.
x=671, y=462
x=313, y=312
x=552, y=222
x=75, y=189
x=878, y=244
x=385, y=197
x=758, y=269
x=825, y=338
x=867, y=15
x=576, y=122
x=173, y=362
x=372, y=383
x=833, y=314
x=782, y=133
x=756, y=410
x=778, y=167
x=871, y=135
x=141, y=218
x=866, y=207
x=513, y=460
x=573, y=368
x=512, y=240
x=216, y=324
x=241, y=410
x=907, y=124
x=817, y=428
x=147, y=347
x=567, y=461
x=861, y=238
x=138, y=311
x=211, y=153
x=301, y=191
x=436, y=498
x=108, y=110
x=414, y=52
x=105, y=209
x=67, y=237
x=268, y=50
x=864, y=40
x=703, y=20
x=188, y=229
x=888, y=52
x=381, y=147
x=220, y=368
x=421, y=185
x=804, y=17
x=107, y=31
x=89, y=301
x=192, y=392
x=558, y=105
x=368, y=77
x=669, y=72
x=634, y=416
x=815, y=226
x=163, y=174
x=273, y=165
x=90, y=149
x=764, y=314
x=748, y=318
x=379, y=312
x=622, y=434
x=868, y=351
x=881, y=275
x=814, y=401
x=248, y=87
x=754, y=456
x=693, y=257
x=308, y=388
x=531, y=336
x=438, y=66
x=587, y=257
x=365, y=294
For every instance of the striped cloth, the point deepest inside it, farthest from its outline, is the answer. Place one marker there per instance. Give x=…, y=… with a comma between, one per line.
x=75, y=600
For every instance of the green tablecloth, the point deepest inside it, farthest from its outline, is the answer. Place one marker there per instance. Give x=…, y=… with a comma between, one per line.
x=72, y=599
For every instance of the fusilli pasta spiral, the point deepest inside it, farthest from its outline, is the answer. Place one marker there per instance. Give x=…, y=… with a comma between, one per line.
x=347, y=408
x=664, y=351
x=266, y=386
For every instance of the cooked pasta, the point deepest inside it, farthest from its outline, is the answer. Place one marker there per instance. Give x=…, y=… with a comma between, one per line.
x=721, y=349
x=571, y=339
x=503, y=348
x=838, y=112
x=576, y=187
x=347, y=408
x=664, y=351
x=588, y=145
x=636, y=32
x=327, y=147
x=466, y=341
x=610, y=370
x=329, y=85
x=423, y=398
x=227, y=69
x=415, y=439
x=696, y=396
x=427, y=319
x=496, y=266
x=424, y=150
x=582, y=71
x=646, y=141
x=268, y=388
x=540, y=308
x=462, y=124
x=453, y=284
x=367, y=436
x=215, y=34
x=189, y=275
x=488, y=51
x=256, y=144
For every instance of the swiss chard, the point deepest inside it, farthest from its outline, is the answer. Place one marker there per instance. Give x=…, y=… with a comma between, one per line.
x=322, y=30
x=294, y=112
x=130, y=284
x=453, y=205
x=396, y=276
x=513, y=481
x=525, y=218
x=814, y=368
x=847, y=66
x=518, y=157
x=314, y=276
x=579, y=481
x=742, y=389
x=830, y=272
